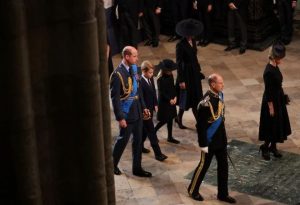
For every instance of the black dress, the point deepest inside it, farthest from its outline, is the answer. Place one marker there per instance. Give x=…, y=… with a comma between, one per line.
x=276, y=128
x=166, y=92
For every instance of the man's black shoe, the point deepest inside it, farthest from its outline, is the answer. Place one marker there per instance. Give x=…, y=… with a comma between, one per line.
x=142, y=173
x=242, y=50
x=148, y=42
x=161, y=157
x=197, y=197
x=205, y=43
x=173, y=38
x=172, y=140
x=145, y=150
x=155, y=44
x=200, y=43
x=229, y=48
x=227, y=199
x=117, y=171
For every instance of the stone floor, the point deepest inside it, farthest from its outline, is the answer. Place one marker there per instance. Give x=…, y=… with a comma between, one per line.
x=243, y=92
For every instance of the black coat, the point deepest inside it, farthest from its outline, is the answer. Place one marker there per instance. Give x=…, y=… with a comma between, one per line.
x=149, y=94
x=166, y=92
x=189, y=71
x=277, y=128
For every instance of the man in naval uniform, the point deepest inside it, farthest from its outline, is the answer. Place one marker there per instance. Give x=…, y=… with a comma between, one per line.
x=212, y=140
x=129, y=108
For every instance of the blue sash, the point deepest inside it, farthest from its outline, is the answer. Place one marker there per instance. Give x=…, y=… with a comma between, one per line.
x=215, y=125
x=126, y=103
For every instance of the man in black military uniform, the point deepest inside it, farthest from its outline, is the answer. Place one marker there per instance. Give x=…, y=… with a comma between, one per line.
x=212, y=140
x=128, y=105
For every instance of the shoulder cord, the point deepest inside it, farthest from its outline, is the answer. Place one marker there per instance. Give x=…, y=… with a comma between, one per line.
x=126, y=91
x=220, y=111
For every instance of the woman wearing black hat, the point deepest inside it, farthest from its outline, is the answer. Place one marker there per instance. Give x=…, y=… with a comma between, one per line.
x=189, y=74
x=274, y=124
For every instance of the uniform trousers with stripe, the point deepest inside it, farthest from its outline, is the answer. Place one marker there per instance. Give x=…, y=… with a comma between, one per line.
x=201, y=169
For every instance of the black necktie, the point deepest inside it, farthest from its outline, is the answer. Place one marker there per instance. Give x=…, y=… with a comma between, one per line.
x=130, y=71
x=149, y=82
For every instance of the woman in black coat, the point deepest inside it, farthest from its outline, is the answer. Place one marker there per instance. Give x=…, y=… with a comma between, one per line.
x=189, y=74
x=166, y=98
x=274, y=120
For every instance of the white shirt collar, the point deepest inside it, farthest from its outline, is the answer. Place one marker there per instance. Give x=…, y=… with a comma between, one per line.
x=126, y=66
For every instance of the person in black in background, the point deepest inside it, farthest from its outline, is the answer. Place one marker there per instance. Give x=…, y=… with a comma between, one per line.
x=204, y=11
x=129, y=107
x=151, y=24
x=166, y=97
x=237, y=15
x=189, y=76
x=128, y=13
x=150, y=98
x=180, y=11
x=212, y=140
x=274, y=123
x=285, y=9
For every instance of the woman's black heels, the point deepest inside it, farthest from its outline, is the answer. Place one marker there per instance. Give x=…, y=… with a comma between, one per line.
x=265, y=153
x=180, y=125
x=275, y=152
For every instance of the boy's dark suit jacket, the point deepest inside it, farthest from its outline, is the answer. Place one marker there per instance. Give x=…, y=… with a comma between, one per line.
x=149, y=94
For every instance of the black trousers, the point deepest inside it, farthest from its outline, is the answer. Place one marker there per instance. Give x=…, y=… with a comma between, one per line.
x=128, y=30
x=205, y=17
x=201, y=169
x=180, y=11
x=285, y=14
x=235, y=18
x=151, y=25
x=149, y=130
x=136, y=129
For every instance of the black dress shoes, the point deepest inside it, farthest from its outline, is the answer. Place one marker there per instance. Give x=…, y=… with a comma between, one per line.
x=173, y=38
x=230, y=47
x=172, y=140
x=197, y=197
x=142, y=173
x=275, y=152
x=180, y=125
x=161, y=157
x=203, y=43
x=227, y=199
x=155, y=44
x=242, y=50
x=148, y=42
x=145, y=150
x=117, y=171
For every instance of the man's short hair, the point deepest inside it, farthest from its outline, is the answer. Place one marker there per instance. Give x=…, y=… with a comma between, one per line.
x=212, y=78
x=126, y=51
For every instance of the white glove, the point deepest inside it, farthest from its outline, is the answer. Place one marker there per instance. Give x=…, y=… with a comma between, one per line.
x=204, y=149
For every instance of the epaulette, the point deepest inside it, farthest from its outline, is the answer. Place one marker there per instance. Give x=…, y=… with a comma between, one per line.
x=204, y=102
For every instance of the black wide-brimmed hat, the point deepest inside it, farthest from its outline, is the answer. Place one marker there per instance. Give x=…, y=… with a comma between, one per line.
x=277, y=50
x=189, y=27
x=165, y=65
